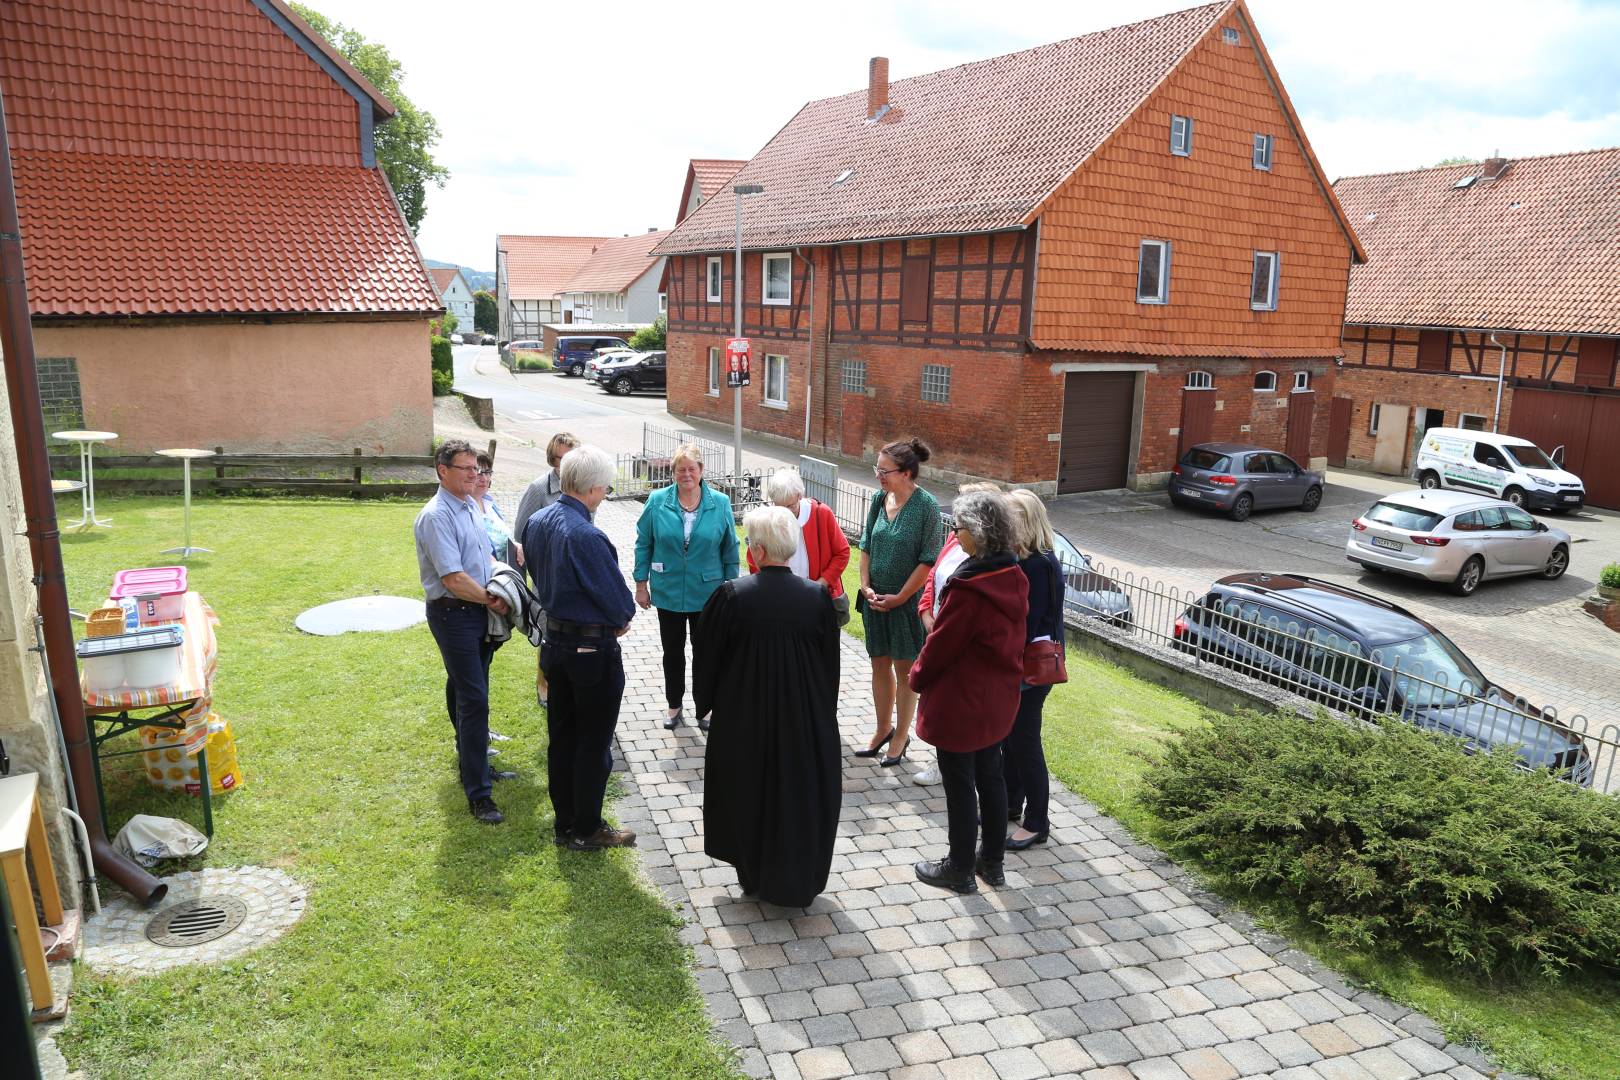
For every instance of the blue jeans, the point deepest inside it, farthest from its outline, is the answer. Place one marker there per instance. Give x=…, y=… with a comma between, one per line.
x=586, y=680
x=460, y=634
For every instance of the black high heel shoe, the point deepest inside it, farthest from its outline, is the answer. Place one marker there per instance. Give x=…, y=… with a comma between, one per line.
x=872, y=751
x=894, y=759
x=673, y=722
x=1026, y=843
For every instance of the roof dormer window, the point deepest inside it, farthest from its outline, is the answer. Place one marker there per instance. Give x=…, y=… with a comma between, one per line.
x=1181, y=131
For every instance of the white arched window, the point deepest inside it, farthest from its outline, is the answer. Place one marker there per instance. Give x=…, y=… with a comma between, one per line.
x=1302, y=380
x=1265, y=380
x=1200, y=380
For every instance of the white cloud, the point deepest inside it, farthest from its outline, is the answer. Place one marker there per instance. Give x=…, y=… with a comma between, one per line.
x=569, y=119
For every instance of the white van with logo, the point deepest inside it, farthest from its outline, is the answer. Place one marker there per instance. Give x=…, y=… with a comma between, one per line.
x=1505, y=466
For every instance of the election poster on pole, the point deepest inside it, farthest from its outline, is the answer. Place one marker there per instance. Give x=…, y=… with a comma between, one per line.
x=737, y=362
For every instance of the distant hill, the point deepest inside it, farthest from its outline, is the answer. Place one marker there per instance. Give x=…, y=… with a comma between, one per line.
x=477, y=279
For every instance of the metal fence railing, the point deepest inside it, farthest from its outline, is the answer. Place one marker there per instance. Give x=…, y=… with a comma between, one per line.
x=849, y=503
x=659, y=443
x=820, y=479
x=1422, y=680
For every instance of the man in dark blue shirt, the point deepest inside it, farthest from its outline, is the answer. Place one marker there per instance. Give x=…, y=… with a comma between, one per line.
x=588, y=608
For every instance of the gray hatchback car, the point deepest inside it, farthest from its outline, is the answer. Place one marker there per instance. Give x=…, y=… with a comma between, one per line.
x=1236, y=479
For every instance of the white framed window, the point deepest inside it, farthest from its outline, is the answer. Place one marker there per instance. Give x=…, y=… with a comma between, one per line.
x=1372, y=419
x=663, y=303
x=1265, y=381
x=1471, y=422
x=778, y=278
x=716, y=275
x=1181, y=131
x=1263, y=288
x=714, y=371
x=1153, y=272
x=936, y=383
x=776, y=381
x=1229, y=35
x=1262, y=151
x=1302, y=381
x=1199, y=380
x=852, y=379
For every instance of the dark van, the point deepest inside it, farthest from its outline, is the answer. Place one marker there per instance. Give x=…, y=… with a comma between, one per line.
x=573, y=352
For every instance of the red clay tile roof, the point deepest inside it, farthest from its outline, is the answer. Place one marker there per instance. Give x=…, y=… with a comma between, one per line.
x=108, y=235
x=190, y=157
x=1537, y=249
x=442, y=277
x=617, y=264
x=974, y=148
x=708, y=176
x=537, y=267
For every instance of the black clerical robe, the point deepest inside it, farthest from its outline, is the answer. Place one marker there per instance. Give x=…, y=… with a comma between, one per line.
x=766, y=660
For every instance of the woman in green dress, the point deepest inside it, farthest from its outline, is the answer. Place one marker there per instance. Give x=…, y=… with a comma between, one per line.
x=901, y=540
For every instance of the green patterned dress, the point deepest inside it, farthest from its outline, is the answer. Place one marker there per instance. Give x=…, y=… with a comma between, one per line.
x=895, y=548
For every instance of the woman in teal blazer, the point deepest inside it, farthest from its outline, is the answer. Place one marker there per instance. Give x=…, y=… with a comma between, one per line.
x=686, y=545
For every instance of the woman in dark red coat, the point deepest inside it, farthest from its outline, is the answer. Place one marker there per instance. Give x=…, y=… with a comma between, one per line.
x=968, y=676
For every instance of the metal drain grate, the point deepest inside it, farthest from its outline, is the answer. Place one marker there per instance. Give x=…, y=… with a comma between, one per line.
x=207, y=918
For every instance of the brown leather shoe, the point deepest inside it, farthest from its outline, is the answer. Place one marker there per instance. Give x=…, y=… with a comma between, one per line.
x=605, y=837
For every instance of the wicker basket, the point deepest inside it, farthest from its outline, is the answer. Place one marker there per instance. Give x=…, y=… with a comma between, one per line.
x=104, y=622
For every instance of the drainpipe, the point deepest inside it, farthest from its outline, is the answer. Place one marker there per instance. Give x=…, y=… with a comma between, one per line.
x=1501, y=370
x=44, y=541
x=810, y=359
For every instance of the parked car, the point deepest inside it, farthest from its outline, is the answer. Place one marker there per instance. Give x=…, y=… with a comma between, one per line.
x=624, y=373
x=486, y=339
x=574, y=352
x=1089, y=592
x=1455, y=537
x=1236, y=478
x=1504, y=466
x=528, y=345
x=1365, y=655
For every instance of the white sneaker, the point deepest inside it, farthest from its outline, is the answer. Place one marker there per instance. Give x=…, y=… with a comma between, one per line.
x=928, y=776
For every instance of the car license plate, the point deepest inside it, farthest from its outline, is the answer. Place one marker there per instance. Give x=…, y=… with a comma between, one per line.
x=1572, y=498
x=1190, y=493
x=1379, y=541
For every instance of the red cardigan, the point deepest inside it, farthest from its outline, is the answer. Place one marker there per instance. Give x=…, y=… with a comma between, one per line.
x=972, y=662
x=825, y=546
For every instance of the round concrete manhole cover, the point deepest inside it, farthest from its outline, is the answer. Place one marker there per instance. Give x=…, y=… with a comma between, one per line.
x=193, y=922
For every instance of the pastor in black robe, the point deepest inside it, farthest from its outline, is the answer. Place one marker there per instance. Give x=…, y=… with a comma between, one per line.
x=766, y=660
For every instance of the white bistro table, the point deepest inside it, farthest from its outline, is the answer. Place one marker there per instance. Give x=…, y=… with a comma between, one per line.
x=86, y=440
x=187, y=456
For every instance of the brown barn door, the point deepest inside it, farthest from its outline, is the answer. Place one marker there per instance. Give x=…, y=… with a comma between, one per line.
x=1301, y=415
x=1197, y=418
x=1338, y=432
x=1096, y=448
x=1602, y=475
x=1587, y=426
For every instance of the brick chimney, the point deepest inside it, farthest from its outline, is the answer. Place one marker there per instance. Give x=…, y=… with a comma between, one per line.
x=1494, y=167
x=877, y=86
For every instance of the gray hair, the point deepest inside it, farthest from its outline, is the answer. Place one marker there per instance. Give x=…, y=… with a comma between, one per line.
x=584, y=468
x=773, y=529
x=784, y=487
x=451, y=449
x=988, y=518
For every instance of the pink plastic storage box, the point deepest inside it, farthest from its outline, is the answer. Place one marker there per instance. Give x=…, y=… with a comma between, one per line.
x=159, y=592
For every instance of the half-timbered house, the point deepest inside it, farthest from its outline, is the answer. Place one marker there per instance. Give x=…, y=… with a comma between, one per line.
x=1058, y=266
x=1490, y=300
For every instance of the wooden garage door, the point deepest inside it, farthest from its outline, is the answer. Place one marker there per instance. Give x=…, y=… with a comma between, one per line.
x=1587, y=426
x=1096, y=446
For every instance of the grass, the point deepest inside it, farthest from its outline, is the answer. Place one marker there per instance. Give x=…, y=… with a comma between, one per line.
x=433, y=946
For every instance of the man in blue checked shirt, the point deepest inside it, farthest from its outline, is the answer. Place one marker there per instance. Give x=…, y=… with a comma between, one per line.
x=453, y=557
x=588, y=608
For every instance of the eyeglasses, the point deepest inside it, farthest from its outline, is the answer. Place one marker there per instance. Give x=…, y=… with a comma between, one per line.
x=881, y=473
x=470, y=470
x=486, y=472
x=609, y=490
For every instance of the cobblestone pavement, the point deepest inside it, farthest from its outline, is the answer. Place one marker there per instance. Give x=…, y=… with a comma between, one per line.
x=1527, y=634
x=1097, y=960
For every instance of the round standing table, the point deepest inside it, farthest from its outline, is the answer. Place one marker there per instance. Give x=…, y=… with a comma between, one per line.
x=187, y=457
x=86, y=440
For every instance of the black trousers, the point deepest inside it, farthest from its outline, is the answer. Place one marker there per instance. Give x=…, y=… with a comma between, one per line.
x=587, y=685
x=974, y=788
x=1028, y=787
x=460, y=634
x=673, y=629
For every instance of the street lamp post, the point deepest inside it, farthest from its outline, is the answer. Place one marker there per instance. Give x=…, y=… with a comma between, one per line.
x=736, y=291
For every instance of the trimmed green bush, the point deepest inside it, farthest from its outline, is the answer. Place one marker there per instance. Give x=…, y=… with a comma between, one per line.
x=1609, y=576
x=1393, y=837
x=651, y=338
x=531, y=361
x=443, y=360
x=442, y=383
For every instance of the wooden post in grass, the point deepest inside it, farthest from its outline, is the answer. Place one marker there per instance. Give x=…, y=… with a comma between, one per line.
x=219, y=470
x=492, y=453
x=358, y=471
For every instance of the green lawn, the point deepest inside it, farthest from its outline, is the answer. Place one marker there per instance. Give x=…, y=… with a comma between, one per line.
x=434, y=946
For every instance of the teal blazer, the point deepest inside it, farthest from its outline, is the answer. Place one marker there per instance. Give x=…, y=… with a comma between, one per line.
x=682, y=575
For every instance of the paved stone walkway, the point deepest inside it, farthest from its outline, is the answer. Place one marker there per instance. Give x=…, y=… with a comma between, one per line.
x=1098, y=959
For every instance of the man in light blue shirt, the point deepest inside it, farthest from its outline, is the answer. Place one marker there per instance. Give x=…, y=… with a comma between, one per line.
x=453, y=557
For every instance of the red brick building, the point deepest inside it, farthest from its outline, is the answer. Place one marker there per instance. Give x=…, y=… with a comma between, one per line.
x=1058, y=266
x=212, y=244
x=1491, y=300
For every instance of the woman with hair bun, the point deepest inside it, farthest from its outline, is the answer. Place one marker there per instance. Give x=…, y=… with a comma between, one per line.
x=899, y=544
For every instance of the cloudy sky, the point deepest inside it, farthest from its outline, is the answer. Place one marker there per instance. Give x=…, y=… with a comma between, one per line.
x=574, y=118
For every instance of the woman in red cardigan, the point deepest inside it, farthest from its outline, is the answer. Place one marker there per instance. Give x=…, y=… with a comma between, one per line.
x=823, y=550
x=967, y=676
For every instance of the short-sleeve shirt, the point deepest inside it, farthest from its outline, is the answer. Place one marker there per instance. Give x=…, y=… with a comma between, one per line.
x=896, y=548
x=450, y=538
